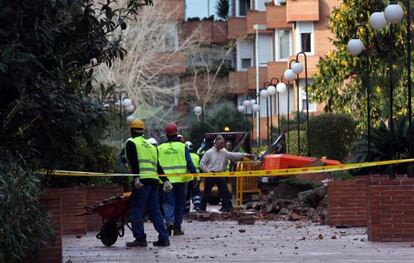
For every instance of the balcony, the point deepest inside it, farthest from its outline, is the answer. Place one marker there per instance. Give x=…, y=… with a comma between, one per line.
x=276, y=17
x=255, y=17
x=312, y=63
x=276, y=69
x=236, y=27
x=304, y=10
x=168, y=63
x=177, y=6
x=251, y=77
x=212, y=32
x=238, y=82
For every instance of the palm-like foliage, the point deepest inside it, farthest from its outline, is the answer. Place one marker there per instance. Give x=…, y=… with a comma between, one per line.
x=381, y=144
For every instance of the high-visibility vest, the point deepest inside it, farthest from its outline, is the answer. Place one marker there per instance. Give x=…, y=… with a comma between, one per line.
x=196, y=161
x=147, y=158
x=171, y=156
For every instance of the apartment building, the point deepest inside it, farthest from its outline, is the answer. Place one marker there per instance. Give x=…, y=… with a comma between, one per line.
x=287, y=27
x=291, y=26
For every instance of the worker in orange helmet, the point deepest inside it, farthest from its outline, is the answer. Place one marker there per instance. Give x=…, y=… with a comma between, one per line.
x=143, y=160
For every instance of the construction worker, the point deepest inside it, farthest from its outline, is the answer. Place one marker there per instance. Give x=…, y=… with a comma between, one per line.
x=174, y=157
x=215, y=160
x=143, y=160
x=193, y=190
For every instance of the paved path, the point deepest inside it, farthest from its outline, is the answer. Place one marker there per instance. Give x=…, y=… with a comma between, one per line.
x=226, y=241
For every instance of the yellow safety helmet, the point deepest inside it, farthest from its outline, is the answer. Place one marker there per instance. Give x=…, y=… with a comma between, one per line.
x=137, y=124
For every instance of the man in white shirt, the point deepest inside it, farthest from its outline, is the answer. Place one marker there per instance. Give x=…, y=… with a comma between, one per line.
x=215, y=160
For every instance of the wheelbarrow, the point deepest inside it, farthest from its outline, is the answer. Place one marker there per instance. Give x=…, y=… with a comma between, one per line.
x=114, y=212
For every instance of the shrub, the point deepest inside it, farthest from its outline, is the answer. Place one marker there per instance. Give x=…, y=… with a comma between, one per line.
x=331, y=135
x=293, y=143
x=24, y=226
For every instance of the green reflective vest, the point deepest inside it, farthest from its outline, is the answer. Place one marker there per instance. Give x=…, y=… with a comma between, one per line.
x=147, y=158
x=196, y=161
x=172, y=160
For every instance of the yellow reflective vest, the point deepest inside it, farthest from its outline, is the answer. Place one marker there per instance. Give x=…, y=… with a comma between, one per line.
x=147, y=158
x=171, y=156
x=196, y=161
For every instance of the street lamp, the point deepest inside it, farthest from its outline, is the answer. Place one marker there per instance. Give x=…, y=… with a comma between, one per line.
x=198, y=111
x=280, y=88
x=289, y=76
x=298, y=68
x=265, y=95
x=394, y=13
x=271, y=90
x=257, y=27
x=355, y=47
x=125, y=104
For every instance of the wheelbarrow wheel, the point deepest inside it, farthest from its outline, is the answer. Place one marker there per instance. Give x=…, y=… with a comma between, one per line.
x=109, y=233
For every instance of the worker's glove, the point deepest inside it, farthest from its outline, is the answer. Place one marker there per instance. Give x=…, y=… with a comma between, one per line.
x=137, y=183
x=167, y=186
x=196, y=182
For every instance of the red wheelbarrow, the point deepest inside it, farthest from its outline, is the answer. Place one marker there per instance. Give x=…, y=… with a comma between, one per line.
x=114, y=212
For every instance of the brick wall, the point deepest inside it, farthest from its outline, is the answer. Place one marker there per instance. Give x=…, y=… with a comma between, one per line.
x=74, y=201
x=53, y=251
x=347, y=203
x=391, y=210
x=95, y=194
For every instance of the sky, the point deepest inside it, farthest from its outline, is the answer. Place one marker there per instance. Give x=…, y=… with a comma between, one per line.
x=199, y=8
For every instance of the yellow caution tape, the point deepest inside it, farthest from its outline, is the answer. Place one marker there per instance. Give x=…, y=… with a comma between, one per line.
x=256, y=173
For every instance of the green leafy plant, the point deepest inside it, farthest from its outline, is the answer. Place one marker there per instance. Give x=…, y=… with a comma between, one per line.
x=292, y=143
x=331, y=135
x=222, y=9
x=24, y=226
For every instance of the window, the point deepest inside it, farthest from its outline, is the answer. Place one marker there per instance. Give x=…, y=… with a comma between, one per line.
x=246, y=63
x=283, y=44
x=171, y=37
x=304, y=104
x=244, y=6
x=306, y=42
x=305, y=37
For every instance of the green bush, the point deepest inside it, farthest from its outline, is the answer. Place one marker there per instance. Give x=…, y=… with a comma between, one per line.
x=24, y=227
x=331, y=135
x=342, y=175
x=292, y=143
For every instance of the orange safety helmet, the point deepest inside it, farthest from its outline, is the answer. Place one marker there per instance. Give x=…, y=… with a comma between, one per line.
x=171, y=128
x=137, y=124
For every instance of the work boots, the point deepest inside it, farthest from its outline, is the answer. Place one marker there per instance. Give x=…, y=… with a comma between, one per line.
x=170, y=229
x=137, y=243
x=161, y=243
x=178, y=231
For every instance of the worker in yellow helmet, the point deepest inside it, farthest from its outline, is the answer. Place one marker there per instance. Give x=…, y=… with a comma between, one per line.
x=143, y=160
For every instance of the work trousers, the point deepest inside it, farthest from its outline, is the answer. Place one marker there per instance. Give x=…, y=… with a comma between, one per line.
x=225, y=195
x=147, y=197
x=174, y=204
x=193, y=194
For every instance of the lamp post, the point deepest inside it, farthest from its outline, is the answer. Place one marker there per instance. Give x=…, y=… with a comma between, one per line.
x=265, y=95
x=355, y=47
x=393, y=14
x=121, y=100
x=198, y=111
x=257, y=27
x=271, y=90
x=298, y=68
x=247, y=104
x=280, y=88
x=289, y=76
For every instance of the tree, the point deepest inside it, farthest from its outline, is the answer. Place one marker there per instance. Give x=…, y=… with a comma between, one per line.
x=157, y=52
x=46, y=102
x=208, y=70
x=338, y=81
x=222, y=9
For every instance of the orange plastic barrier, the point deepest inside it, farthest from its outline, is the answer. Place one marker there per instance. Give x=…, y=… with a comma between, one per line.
x=285, y=161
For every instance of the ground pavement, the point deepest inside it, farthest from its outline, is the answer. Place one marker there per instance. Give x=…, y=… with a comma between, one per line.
x=227, y=241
